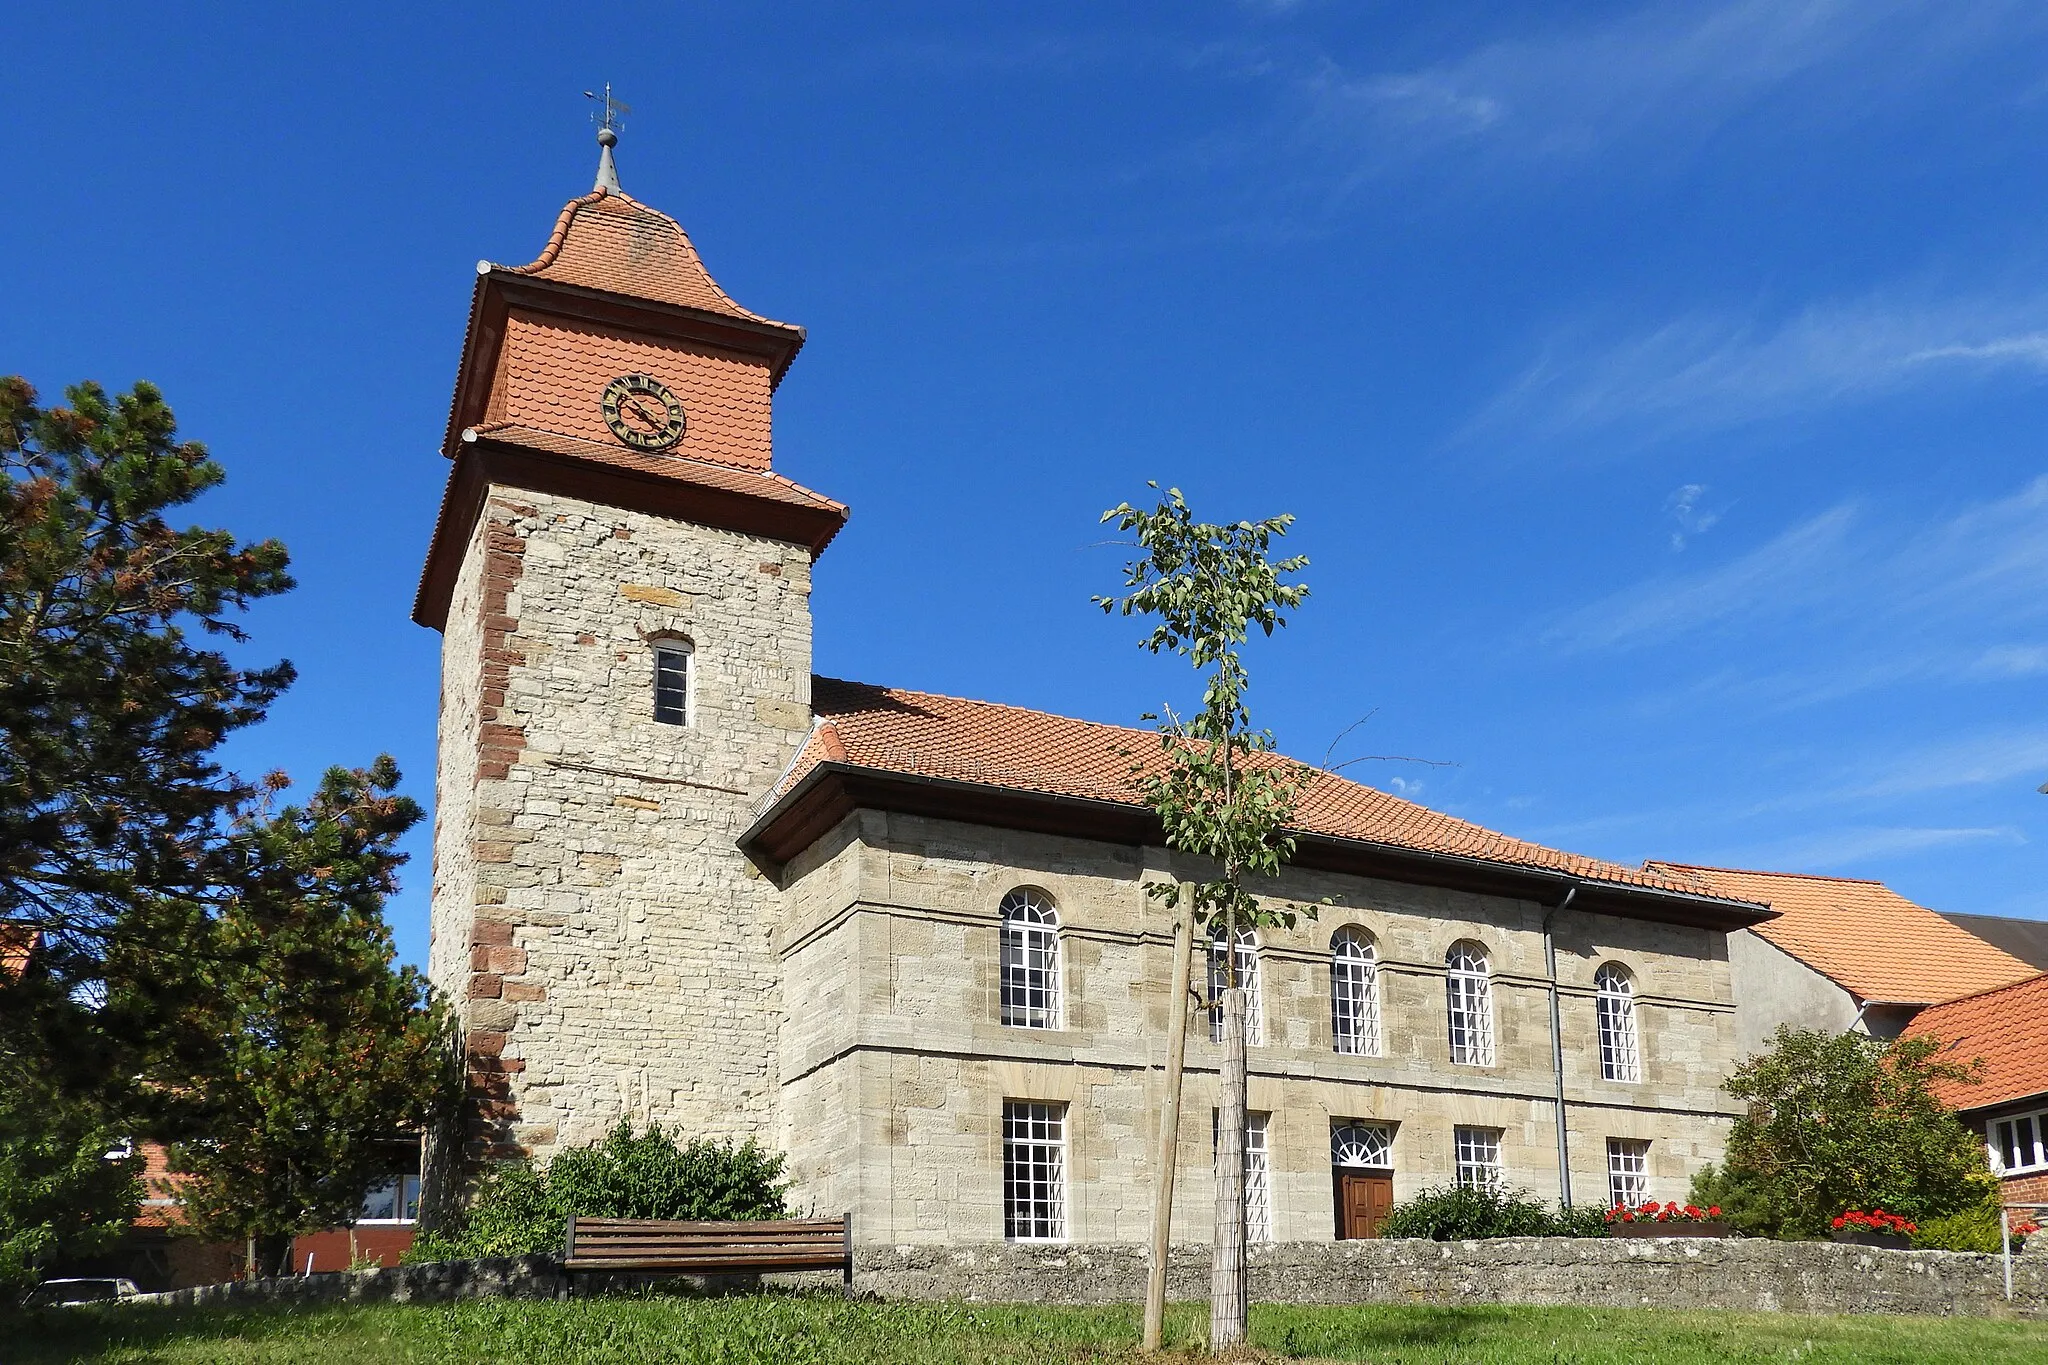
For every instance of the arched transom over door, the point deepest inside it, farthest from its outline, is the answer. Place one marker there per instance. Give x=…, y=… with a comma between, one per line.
x=1361, y=1177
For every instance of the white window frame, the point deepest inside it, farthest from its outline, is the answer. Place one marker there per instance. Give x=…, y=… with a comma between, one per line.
x=1247, y=977
x=1357, y=1146
x=1355, y=995
x=1628, y=1172
x=1614, y=1002
x=1468, y=987
x=1476, y=1160
x=1034, y=1171
x=1029, y=961
x=2001, y=1135
x=405, y=1201
x=1258, y=1170
x=664, y=649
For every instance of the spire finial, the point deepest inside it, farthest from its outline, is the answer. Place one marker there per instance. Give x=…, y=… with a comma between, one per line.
x=609, y=116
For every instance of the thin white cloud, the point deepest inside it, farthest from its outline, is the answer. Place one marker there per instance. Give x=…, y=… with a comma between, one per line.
x=1658, y=73
x=1712, y=371
x=1689, y=517
x=1893, y=604
x=1827, y=850
x=1774, y=577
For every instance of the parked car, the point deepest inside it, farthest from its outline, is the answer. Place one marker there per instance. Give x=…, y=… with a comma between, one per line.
x=105, y=1289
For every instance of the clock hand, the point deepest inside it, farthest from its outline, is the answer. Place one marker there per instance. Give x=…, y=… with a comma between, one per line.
x=652, y=421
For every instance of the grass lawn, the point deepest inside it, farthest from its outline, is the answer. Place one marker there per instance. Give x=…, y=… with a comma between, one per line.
x=825, y=1330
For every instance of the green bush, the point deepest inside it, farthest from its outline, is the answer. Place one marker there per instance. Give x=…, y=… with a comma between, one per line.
x=1974, y=1229
x=1841, y=1121
x=519, y=1210
x=1454, y=1213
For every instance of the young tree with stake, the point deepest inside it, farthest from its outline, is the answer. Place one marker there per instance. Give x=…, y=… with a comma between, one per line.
x=1221, y=794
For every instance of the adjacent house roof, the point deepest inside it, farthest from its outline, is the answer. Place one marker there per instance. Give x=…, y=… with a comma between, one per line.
x=939, y=739
x=16, y=946
x=2007, y=1028
x=2025, y=939
x=1864, y=936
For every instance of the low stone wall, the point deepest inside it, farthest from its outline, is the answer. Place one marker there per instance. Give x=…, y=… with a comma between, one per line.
x=515, y=1277
x=1623, y=1272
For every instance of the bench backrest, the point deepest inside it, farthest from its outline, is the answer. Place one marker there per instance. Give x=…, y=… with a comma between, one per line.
x=770, y=1244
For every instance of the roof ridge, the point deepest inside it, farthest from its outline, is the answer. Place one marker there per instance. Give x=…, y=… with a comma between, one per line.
x=1316, y=773
x=1761, y=872
x=2035, y=979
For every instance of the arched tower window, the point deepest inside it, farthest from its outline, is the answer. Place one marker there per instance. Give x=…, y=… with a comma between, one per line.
x=672, y=682
x=1470, y=989
x=1247, y=977
x=1030, y=960
x=1354, y=995
x=1620, y=1050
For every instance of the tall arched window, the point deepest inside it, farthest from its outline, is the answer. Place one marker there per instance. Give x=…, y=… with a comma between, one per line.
x=1471, y=1000
x=1030, y=960
x=1621, y=1052
x=1247, y=977
x=1354, y=995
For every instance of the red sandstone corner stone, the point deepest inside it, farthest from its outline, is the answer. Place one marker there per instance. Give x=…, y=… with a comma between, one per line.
x=486, y=986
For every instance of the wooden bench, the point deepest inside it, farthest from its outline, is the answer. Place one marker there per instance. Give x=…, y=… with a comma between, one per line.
x=647, y=1244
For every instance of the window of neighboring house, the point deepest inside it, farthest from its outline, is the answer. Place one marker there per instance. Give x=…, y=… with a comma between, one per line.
x=1034, y=1171
x=1471, y=1005
x=1030, y=960
x=672, y=682
x=1478, y=1157
x=1247, y=977
x=394, y=1200
x=1615, y=997
x=1628, y=1172
x=2019, y=1144
x=1258, y=1172
x=1354, y=995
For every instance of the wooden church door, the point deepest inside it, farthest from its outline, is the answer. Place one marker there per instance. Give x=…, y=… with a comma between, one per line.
x=1363, y=1200
x=1361, y=1171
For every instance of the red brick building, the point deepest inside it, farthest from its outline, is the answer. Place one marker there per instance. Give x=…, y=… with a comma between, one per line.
x=2007, y=1029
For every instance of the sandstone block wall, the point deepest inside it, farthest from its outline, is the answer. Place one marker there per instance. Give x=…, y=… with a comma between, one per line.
x=889, y=948
x=606, y=942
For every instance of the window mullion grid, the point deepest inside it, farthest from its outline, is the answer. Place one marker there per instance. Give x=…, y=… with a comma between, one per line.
x=1034, y=1172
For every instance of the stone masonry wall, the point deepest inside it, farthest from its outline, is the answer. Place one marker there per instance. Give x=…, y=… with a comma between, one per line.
x=1624, y=1272
x=607, y=942
x=889, y=944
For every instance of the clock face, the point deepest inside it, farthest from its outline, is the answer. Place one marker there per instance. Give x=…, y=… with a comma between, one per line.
x=642, y=412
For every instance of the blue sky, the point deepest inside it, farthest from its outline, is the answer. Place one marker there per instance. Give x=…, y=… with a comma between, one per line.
x=1659, y=387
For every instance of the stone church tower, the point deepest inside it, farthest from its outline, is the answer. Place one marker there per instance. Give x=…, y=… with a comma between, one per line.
x=622, y=583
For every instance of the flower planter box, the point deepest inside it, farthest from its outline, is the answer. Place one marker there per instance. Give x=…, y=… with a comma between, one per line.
x=1858, y=1237
x=1646, y=1228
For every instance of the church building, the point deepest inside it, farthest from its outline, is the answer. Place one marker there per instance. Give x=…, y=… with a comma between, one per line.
x=904, y=938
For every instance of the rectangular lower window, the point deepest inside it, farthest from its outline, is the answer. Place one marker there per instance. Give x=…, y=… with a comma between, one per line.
x=672, y=684
x=1258, y=1172
x=393, y=1200
x=1628, y=1172
x=2019, y=1144
x=1034, y=1171
x=1478, y=1158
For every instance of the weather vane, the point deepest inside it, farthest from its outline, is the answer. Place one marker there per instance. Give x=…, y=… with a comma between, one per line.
x=610, y=115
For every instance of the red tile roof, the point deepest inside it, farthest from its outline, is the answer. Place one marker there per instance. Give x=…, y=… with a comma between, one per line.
x=762, y=483
x=2007, y=1028
x=927, y=735
x=1864, y=936
x=16, y=945
x=611, y=241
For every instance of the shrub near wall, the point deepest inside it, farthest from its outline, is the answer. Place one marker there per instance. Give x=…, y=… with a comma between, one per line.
x=1454, y=1213
x=519, y=1210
